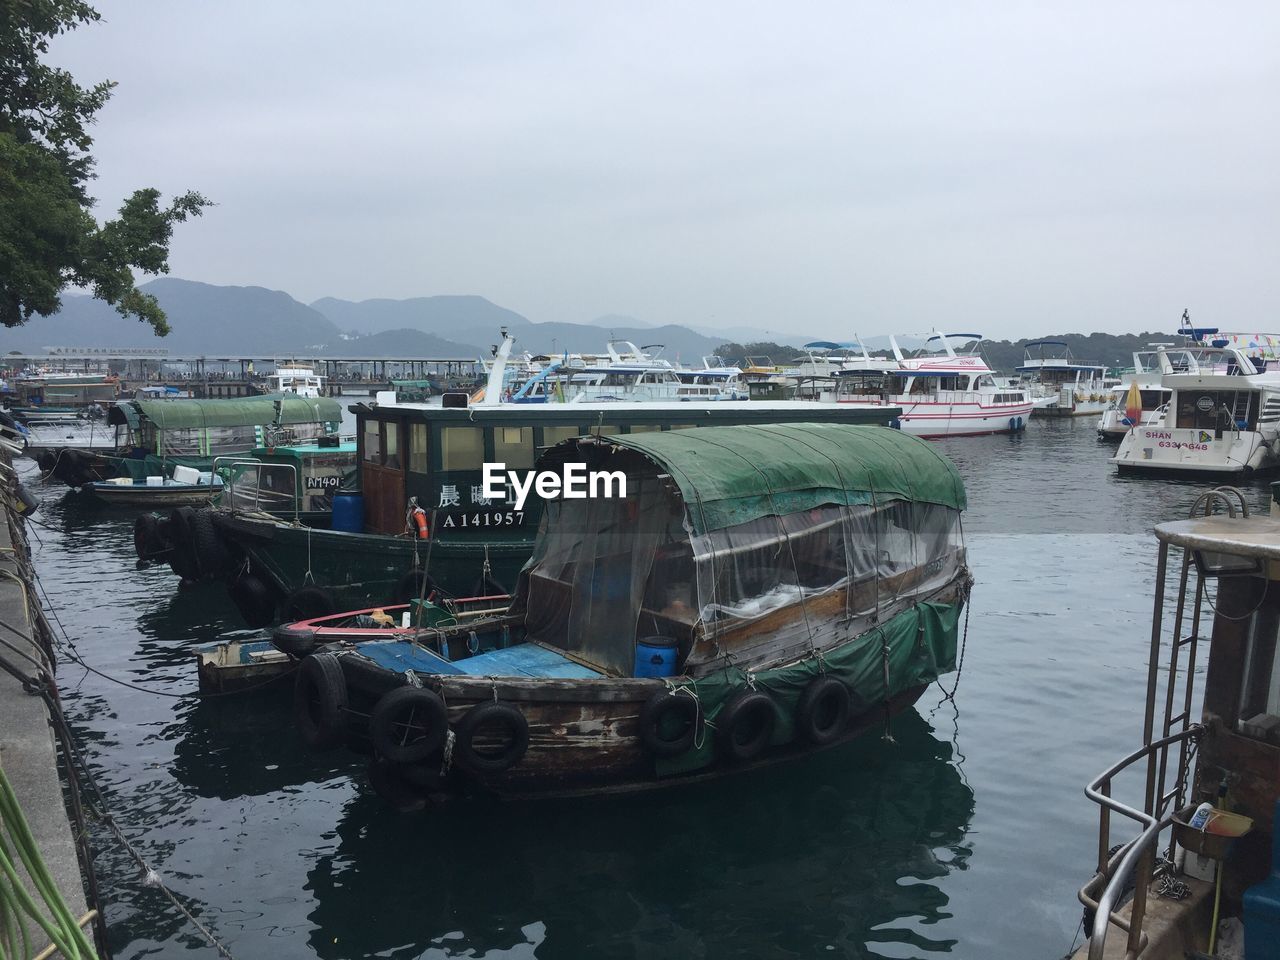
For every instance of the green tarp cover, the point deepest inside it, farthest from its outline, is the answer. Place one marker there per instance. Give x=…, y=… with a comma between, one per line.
x=921, y=645
x=731, y=475
x=245, y=411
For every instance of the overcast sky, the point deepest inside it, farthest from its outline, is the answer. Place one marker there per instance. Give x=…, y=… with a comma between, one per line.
x=1019, y=168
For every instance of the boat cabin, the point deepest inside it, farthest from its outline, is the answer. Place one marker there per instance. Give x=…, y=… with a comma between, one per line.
x=1211, y=735
x=209, y=428
x=297, y=481
x=435, y=455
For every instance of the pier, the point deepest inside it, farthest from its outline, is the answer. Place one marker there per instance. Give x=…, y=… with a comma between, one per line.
x=29, y=756
x=233, y=375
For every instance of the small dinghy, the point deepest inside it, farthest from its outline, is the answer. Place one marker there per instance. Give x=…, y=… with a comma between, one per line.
x=159, y=492
x=402, y=621
x=756, y=593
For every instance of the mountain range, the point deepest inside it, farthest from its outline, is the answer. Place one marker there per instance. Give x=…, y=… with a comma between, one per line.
x=210, y=320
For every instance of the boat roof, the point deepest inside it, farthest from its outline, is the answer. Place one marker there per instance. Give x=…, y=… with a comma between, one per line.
x=179, y=413
x=731, y=475
x=1239, y=536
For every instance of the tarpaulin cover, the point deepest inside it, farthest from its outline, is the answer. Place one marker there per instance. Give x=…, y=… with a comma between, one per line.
x=921, y=646
x=731, y=475
x=284, y=408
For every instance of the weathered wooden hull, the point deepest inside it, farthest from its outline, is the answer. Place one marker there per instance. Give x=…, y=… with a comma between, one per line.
x=585, y=735
x=582, y=740
x=154, y=498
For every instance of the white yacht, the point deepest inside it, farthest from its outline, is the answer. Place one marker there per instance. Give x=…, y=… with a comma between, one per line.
x=1068, y=389
x=297, y=378
x=1222, y=417
x=942, y=393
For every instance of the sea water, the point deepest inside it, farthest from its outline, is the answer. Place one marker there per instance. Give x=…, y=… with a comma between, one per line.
x=967, y=833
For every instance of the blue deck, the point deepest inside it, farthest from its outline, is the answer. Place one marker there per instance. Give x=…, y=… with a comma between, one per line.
x=522, y=660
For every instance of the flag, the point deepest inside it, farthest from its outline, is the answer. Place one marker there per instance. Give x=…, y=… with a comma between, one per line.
x=1133, y=405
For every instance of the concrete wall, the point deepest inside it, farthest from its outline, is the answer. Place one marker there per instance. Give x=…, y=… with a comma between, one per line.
x=28, y=752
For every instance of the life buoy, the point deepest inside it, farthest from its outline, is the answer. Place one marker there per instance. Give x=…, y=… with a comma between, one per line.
x=408, y=724
x=511, y=746
x=307, y=603
x=420, y=529
x=744, y=727
x=320, y=701
x=413, y=585
x=823, y=711
x=254, y=599
x=669, y=723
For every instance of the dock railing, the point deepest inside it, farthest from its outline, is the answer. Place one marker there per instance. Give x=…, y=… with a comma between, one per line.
x=1135, y=860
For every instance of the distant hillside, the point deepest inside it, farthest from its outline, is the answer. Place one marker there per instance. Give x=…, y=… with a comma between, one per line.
x=205, y=319
x=402, y=343
x=464, y=318
x=476, y=322
x=1105, y=349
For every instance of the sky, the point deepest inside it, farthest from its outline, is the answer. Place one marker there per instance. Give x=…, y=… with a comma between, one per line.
x=822, y=168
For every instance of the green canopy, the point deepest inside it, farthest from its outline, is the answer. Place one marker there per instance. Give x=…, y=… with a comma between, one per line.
x=731, y=475
x=284, y=408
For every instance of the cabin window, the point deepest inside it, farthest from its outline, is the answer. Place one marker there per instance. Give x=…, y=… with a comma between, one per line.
x=553, y=435
x=643, y=428
x=514, y=447
x=391, y=444
x=1217, y=409
x=680, y=426
x=372, y=441
x=461, y=448
x=418, y=462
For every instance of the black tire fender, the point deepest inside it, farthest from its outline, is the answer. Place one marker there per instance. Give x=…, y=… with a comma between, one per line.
x=146, y=536
x=320, y=701
x=485, y=762
x=183, y=558
x=254, y=600
x=307, y=603
x=209, y=550
x=408, y=724
x=744, y=726
x=411, y=586
x=657, y=716
x=822, y=714
x=389, y=782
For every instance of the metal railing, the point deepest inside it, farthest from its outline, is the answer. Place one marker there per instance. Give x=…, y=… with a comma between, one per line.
x=229, y=491
x=1136, y=859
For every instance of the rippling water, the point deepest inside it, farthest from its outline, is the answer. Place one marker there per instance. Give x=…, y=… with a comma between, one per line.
x=968, y=834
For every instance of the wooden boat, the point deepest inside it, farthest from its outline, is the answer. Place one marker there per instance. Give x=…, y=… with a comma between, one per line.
x=430, y=457
x=239, y=665
x=400, y=621
x=1214, y=623
x=298, y=482
x=151, y=435
x=758, y=593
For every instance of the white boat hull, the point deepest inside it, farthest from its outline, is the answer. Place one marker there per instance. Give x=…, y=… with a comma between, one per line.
x=933, y=419
x=1161, y=449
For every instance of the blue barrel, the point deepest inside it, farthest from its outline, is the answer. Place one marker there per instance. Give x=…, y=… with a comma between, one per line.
x=656, y=657
x=1262, y=905
x=348, y=512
